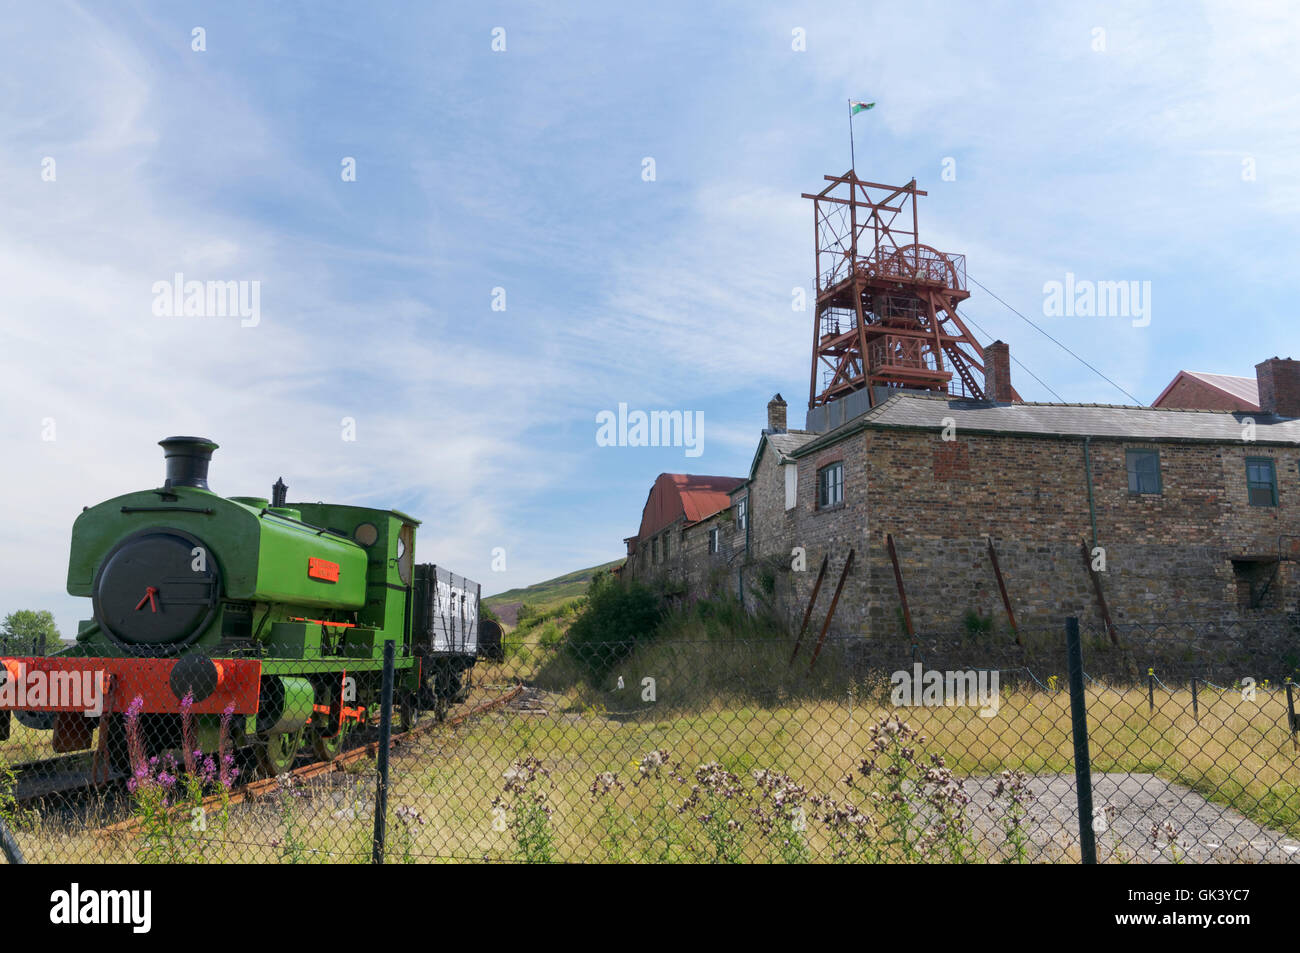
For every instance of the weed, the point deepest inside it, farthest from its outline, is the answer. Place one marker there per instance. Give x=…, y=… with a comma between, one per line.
x=409, y=821
x=292, y=842
x=524, y=801
x=716, y=799
x=1011, y=800
x=175, y=823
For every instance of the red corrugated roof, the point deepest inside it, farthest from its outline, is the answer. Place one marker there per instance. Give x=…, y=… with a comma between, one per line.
x=693, y=496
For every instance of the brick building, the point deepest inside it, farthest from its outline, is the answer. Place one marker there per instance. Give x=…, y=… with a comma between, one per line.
x=1193, y=390
x=683, y=517
x=1105, y=512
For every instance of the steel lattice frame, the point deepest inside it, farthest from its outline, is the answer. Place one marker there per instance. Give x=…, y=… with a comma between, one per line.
x=886, y=311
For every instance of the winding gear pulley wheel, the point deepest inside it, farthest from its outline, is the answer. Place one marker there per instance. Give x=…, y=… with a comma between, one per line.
x=886, y=314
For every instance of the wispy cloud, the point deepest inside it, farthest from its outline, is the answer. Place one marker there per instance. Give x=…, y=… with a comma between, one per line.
x=523, y=171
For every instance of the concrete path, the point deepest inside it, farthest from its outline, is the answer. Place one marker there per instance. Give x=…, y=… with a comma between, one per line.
x=1200, y=831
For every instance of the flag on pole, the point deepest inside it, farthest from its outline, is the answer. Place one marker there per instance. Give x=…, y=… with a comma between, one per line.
x=860, y=107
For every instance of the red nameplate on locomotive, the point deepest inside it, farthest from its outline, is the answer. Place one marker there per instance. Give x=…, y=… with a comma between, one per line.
x=322, y=569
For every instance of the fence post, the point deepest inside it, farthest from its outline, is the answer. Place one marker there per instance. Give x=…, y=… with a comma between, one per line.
x=1151, y=691
x=1196, y=709
x=9, y=845
x=1290, y=710
x=381, y=760
x=1079, y=724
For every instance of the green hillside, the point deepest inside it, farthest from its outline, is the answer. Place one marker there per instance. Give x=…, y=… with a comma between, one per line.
x=545, y=595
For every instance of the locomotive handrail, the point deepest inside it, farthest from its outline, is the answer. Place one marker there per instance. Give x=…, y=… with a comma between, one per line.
x=319, y=529
x=205, y=510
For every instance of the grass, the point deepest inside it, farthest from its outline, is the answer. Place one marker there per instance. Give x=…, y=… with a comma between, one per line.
x=717, y=688
x=25, y=744
x=549, y=595
x=1239, y=754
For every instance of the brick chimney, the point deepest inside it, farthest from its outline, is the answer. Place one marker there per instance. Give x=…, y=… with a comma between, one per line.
x=1279, y=386
x=997, y=372
x=776, y=415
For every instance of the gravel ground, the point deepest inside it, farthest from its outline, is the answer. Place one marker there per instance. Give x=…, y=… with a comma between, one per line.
x=1127, y=806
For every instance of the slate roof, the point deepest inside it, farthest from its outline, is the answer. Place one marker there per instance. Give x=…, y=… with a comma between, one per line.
x=785, y=444
x=1068, y=420
x=790, y=441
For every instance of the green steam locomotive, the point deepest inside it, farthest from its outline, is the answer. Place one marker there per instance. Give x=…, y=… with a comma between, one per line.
x=267, y=615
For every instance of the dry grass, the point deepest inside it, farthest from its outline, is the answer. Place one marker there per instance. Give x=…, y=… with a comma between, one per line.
x=745, y=707
x=25, y=744
x=1240, y=754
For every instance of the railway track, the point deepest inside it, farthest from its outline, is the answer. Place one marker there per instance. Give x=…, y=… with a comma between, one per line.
x=69, y=777
x=65, y=774
x=369, y=749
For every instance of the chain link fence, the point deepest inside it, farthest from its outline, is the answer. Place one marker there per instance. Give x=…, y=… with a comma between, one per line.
x=1179, y=742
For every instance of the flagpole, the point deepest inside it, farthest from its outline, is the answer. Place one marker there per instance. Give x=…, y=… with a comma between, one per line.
x=853, y=162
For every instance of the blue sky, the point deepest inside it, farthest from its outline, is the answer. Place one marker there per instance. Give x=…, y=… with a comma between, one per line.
x=522, y=169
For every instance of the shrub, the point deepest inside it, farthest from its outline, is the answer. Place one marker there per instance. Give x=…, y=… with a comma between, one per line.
x=550, y=636
x=977, y=625
x=10, y=811
x=618, y=616
x=721, y=618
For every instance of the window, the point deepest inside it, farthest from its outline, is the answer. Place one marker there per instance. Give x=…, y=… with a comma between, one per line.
x=1261, y=481
x=715, y=539
x=791, y=485
x=830, y=486
x=1143, y=471
x=1255, y=580
x=405, y=552
x=742, y=513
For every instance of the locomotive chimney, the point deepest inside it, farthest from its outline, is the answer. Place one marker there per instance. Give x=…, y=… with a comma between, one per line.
x=187, y=460
x=279, y=492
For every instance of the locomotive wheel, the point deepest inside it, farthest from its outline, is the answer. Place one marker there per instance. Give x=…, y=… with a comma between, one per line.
x=441, y=690
x=327, y=749
x=441, y=707
x=276, y=754
x=408, y=712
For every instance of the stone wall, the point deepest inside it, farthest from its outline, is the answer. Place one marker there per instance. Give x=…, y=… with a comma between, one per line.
x=1167, y=556
x=688, y=569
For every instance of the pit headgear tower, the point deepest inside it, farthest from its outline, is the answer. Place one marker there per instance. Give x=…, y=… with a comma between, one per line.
x=886, y=313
